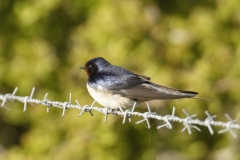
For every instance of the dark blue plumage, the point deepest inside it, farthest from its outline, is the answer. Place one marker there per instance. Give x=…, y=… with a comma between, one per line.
x=111, y=77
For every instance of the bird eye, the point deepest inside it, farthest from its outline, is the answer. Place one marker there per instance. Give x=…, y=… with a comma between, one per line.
x=91, y=68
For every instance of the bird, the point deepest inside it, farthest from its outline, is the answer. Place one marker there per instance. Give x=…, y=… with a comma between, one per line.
x=115, y=87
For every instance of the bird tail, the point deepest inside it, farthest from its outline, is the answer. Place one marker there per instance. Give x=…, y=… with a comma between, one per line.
x=192, y=94
x=201, y=98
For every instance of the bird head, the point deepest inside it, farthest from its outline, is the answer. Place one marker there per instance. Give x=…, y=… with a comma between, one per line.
x=95, y=66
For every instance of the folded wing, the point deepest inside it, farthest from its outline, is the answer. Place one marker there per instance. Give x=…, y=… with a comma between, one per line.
x=151, y=91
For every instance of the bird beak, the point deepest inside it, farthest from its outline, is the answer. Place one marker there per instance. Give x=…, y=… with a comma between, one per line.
x=82, y=67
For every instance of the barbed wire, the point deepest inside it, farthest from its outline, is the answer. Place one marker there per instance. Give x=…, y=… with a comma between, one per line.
x=189, y=122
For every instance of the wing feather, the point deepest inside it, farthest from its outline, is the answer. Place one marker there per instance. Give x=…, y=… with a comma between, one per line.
x=150, y=91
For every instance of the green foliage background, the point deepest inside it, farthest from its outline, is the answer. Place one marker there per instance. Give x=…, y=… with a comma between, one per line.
x=185, y=44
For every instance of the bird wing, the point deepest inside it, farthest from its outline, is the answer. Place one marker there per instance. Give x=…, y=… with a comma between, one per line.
x=147, y=91
x=140, y=88
x=115, y=78
x=125, y=81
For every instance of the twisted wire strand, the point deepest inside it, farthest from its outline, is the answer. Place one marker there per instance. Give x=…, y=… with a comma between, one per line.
x=189, y=122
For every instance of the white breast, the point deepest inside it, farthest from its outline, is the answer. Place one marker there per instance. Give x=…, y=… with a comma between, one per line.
x=107, y=99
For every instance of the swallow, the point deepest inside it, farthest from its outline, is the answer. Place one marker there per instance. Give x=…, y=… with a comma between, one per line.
x=115, y=87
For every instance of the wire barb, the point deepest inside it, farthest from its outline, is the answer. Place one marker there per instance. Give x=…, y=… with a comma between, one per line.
x=45, y=101
x=84, y=108
x=105, y=112
x=186, y=123
x=8, y=95
x=208, y=121
x=167, y=123
x=134, y=106
x=15, y=91
x=4, y=100
x=229, y=126
x=90, y=110
x=145, y=116
x=125, y=116
x=79, y=106
x=28, y=98
x=32, y=93
x=65, y=104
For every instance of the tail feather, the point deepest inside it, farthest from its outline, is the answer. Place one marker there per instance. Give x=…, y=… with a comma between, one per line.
x=189, y=92
x=201, y=98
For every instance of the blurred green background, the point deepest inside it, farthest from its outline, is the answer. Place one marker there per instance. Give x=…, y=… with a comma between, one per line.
x=192, y=45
